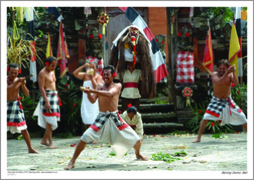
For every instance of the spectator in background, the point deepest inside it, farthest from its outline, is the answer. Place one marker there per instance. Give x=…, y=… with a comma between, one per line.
x=133, y=118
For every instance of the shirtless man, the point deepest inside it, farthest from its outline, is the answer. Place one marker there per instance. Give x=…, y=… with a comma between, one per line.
x=88, y=110
x=49, y=111
x=108, y=124
x=222, y=107
x=15, y=115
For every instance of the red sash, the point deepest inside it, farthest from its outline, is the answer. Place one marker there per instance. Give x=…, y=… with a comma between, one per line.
x=130, y=85
x=133, y=126
x=230, y=104
x=20, y=105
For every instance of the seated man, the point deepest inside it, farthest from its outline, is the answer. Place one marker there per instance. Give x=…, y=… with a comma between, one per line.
x=133, y=118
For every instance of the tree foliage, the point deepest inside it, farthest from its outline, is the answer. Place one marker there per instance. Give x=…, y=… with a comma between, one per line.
x=228, y=13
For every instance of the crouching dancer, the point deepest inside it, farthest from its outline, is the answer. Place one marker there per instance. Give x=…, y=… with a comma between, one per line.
x=16, y=122
x=108, y=125
x=222, y=107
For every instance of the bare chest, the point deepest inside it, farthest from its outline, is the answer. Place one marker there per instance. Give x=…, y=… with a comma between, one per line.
x=50, y=79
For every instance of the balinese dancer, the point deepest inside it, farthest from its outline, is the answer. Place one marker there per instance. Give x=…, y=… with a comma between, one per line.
x=131, y=49
x=133, y=119
x=222, y=107
x=48, y=110
x=16, y=122
x=88, y=110
x=108, y=124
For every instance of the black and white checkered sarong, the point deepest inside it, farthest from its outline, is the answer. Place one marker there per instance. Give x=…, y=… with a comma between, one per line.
x=53, y=101
x=217, y=105
x=103, y=117
x=15, y=113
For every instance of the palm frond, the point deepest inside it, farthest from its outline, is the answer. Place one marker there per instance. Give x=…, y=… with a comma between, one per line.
x=19, y=51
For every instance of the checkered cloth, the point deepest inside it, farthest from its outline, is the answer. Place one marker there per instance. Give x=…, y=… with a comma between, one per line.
x=103, y=117
x=216, y=106
x=15, y=113
x=184, y=68
x=100, y=63
x=53, y=101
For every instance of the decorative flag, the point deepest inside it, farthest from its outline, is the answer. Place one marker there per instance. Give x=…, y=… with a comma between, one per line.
x=62, y=51
x=159, y=66
x=29, y=15
x=244, y=15
x=208, y=55
x=49, y=49
x=238, y=30
x=56, y=13
x=234, y=48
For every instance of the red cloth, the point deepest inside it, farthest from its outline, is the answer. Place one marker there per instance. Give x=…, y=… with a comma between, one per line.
x=20, y=105
x=62, y=51
x=130, y=85
x=132, y=126
x=185, y=68
x=33, y=55
x=208, y=55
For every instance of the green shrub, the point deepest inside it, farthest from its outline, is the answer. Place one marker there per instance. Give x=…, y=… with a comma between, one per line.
x=239, y=95
x=71, y=98
x=199, y=111
x=28, y=107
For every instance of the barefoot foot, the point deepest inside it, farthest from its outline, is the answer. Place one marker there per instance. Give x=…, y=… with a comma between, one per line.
x=69, y=166
x=44, y=143
x=143, y=158
x=196, y=140
x=95, y=142
x=51, y=146
x=32, y=150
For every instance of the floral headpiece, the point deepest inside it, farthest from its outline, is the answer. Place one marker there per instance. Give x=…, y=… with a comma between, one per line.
x=114, y=74
x=8, y=69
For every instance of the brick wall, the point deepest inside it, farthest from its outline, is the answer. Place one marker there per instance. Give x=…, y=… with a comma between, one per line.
x=157, y=22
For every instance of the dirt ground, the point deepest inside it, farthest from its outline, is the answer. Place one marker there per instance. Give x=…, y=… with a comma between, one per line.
x=228, y=154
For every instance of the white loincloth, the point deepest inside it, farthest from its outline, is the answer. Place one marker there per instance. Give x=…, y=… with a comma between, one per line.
x=43, y=120
x=14, y=129
x=121, y=140
x=88, y=110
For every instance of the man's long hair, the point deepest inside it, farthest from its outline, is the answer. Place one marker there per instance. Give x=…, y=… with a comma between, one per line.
x=148, y=82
